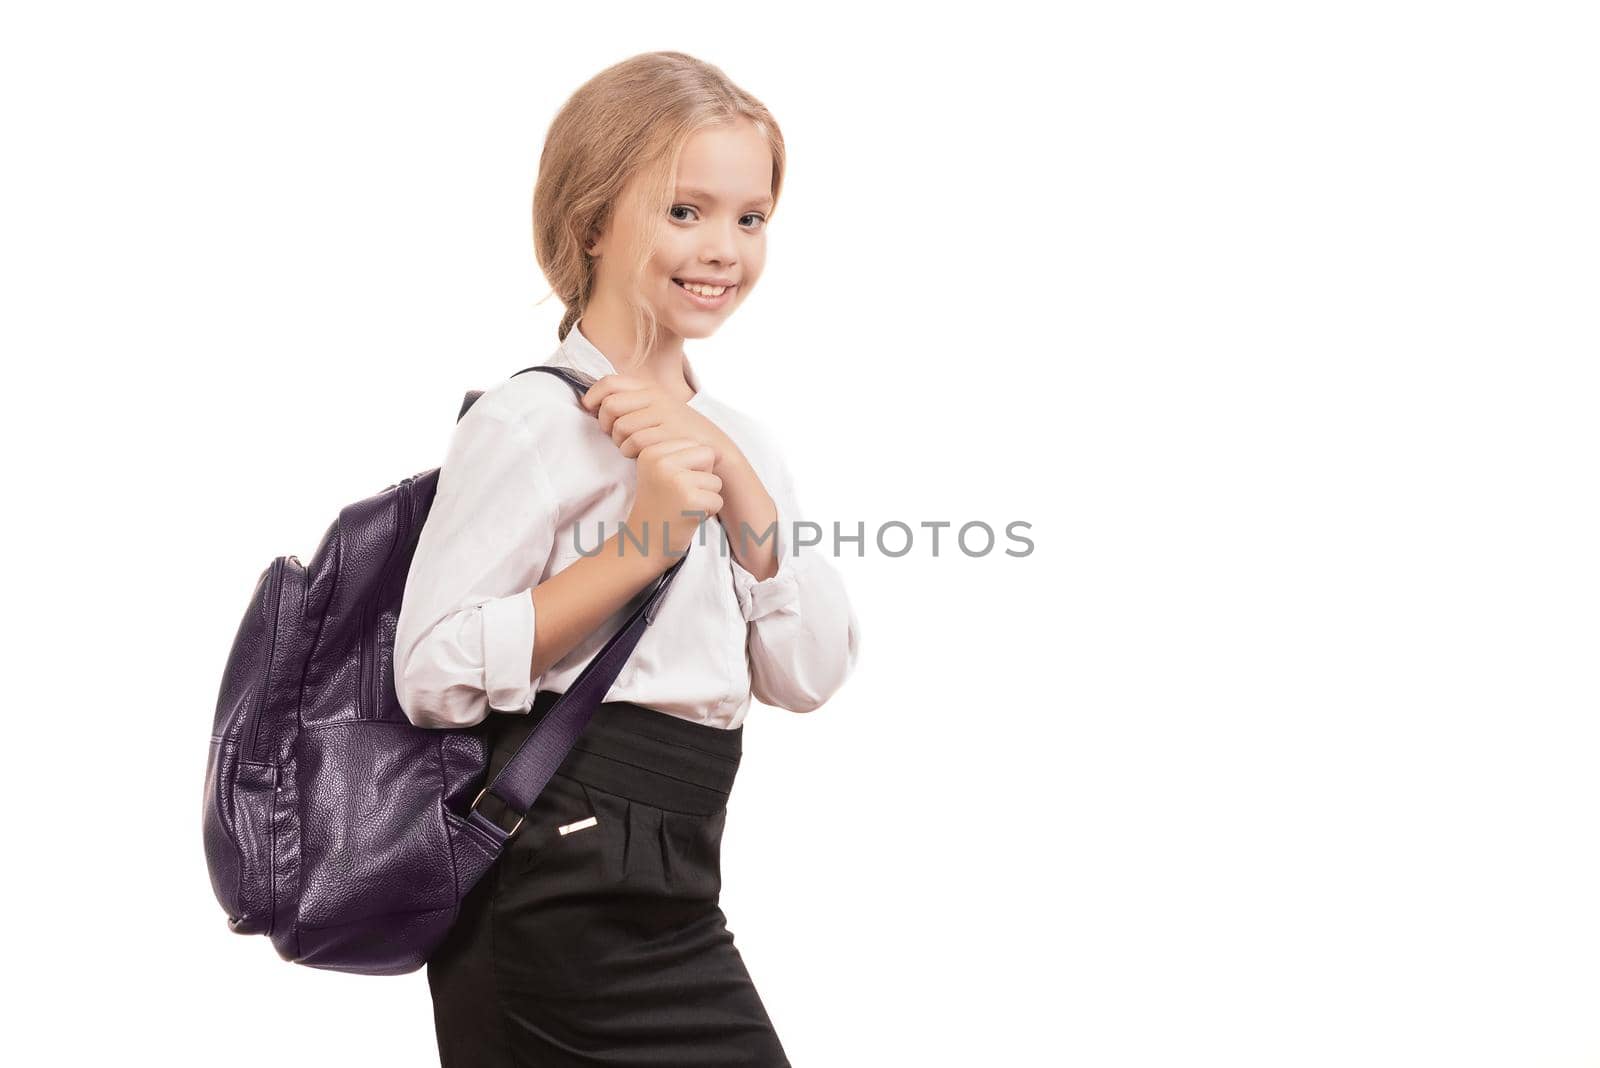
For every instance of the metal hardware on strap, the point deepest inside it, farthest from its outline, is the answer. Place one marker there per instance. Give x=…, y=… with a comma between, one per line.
x=472, y=810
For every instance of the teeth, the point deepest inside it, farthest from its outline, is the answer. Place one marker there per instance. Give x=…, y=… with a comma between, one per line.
x=704, y=291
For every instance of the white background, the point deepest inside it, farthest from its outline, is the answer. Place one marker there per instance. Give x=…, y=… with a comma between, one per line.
x=1277, y=323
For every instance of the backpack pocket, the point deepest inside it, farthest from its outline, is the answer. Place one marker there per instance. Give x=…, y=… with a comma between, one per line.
x=240, y=804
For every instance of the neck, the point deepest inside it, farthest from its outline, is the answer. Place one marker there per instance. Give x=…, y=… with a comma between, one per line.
x=611, y=331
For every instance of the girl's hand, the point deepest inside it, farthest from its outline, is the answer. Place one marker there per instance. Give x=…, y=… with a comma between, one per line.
x=642, y=420
x=636, y=413
x=677, y=492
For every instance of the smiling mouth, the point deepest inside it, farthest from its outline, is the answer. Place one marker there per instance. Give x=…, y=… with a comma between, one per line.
x=706, y=292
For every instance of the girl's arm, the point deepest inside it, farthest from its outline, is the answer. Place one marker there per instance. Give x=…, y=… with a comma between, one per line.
x=804, y=637
x=476, y=628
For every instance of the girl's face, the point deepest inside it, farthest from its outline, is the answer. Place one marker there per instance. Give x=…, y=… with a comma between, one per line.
x=714, y=237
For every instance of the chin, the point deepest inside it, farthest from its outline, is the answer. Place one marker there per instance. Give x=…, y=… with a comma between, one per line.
x=691, y=329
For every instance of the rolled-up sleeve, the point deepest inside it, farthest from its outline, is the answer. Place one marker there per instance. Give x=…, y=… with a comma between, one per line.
x=803, y=637
x=464, y=638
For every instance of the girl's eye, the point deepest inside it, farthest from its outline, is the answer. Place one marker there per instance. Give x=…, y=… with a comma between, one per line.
x=761, y=219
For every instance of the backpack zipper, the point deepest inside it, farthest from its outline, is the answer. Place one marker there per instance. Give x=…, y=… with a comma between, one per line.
x=252, y=726
x=374, y=682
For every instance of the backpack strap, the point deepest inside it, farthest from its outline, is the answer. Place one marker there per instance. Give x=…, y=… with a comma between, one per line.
x=524, y=777
x=579, y=381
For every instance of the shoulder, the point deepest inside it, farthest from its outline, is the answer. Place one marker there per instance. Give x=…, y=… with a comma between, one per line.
x=528, y=405
x=505, y=448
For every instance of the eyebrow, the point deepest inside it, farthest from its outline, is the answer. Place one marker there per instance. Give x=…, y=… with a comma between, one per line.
x=701, y=194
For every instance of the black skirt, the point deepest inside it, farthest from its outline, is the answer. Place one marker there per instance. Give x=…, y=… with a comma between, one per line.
x=605, y=945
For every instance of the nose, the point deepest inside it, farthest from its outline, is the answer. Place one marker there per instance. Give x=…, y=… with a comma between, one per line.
x=719, y=247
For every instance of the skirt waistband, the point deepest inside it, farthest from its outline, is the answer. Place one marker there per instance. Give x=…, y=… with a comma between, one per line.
x=639, y=753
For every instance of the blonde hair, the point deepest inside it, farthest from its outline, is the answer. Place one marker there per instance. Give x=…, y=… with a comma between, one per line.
x=631, y=119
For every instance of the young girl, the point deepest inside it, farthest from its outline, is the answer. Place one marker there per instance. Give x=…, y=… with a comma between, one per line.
x=597, y=939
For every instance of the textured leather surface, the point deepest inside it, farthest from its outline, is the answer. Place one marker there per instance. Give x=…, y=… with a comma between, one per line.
x=331, y=823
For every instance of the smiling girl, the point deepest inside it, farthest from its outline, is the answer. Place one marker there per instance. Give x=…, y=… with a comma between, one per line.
x=598, y=938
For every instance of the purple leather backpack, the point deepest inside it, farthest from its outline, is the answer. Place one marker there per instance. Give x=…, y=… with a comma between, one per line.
x=332, y=824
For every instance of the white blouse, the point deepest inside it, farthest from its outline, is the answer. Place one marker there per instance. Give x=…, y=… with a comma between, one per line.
x=528, y=469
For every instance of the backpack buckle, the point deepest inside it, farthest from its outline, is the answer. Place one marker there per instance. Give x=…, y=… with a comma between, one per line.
x=472, y=812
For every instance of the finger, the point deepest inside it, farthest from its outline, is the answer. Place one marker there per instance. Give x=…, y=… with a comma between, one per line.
x=682, y=453
x=645, y=416
x=607, y=385
x=702, y=505
x=708, y=502
x=618, y=403
x=634, y=443
x=693, y=457
x=668, y=447
x=705, y=480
